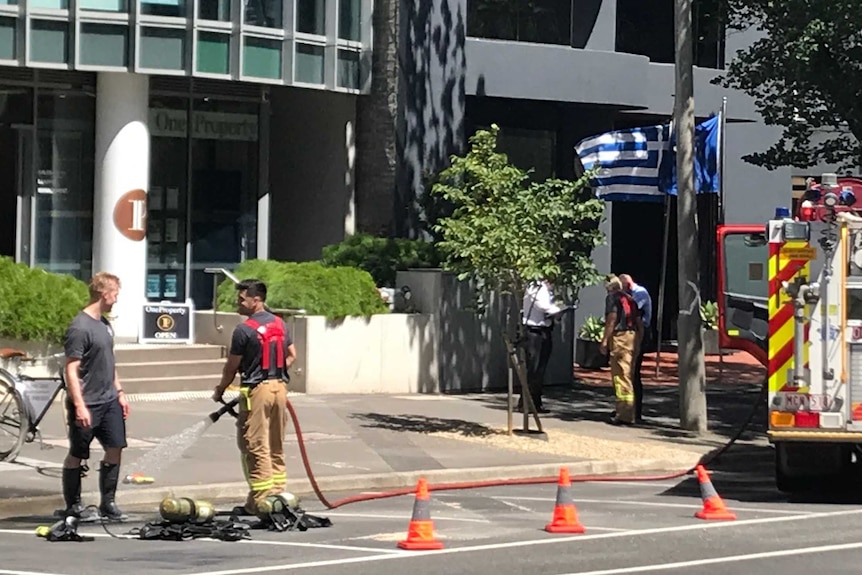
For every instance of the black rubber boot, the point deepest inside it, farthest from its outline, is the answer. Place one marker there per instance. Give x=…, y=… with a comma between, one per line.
x=109, y=478
x=72, y=495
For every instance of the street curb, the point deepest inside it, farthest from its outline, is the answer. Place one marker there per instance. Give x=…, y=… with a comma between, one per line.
x=148, y=498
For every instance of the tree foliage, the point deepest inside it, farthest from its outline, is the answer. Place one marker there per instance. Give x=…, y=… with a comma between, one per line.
x=505, y=230
x=805, y=75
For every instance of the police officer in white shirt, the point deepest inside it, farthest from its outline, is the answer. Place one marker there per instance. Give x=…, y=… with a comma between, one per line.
x=538, y=314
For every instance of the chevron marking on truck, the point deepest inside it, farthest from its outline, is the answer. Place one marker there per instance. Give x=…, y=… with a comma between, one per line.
x=780, y=354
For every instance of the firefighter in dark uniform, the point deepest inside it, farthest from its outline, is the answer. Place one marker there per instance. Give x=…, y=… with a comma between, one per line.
x=262, y=351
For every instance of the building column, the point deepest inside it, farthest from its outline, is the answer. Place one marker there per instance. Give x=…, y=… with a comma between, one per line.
x=120, y=203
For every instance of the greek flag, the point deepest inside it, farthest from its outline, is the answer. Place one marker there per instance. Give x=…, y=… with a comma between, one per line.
x=628, y=163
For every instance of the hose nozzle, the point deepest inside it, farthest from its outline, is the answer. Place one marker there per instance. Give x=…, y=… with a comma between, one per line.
x=226, y=408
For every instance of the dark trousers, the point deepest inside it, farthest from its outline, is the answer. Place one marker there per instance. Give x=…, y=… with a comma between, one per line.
x=538, y=354
x=637, y=382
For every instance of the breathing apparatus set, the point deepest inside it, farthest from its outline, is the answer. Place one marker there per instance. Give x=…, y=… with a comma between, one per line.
x=183, y=518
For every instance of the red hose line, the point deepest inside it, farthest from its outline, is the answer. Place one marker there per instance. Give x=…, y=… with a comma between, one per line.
x=480, y=484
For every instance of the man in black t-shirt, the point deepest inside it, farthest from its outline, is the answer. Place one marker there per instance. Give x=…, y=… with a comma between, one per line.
x=263, y=393
x=623, y=330
x=96, y=406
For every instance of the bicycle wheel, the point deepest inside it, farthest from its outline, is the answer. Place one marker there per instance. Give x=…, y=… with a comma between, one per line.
x=14, y=423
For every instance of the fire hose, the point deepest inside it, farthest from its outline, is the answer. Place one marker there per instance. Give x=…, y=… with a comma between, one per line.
x=704, y=460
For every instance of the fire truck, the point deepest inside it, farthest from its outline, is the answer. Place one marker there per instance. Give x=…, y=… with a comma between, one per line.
x=790, y=294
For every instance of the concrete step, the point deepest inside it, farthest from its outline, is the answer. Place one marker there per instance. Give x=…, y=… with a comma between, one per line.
x=137, y=353
x=185, y=368
x=168, y=384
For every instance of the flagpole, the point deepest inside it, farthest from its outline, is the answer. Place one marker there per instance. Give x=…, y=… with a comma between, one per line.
x=721, y=157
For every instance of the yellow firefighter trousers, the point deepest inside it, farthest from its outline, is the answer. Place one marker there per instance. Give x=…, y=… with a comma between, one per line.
x=260, y=435
x=622, y=354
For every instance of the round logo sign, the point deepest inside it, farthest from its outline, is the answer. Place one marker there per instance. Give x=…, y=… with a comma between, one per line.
x=165, y=322
x=130, y=215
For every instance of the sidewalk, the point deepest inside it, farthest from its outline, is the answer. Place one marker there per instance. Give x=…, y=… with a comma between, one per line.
x=373, y=442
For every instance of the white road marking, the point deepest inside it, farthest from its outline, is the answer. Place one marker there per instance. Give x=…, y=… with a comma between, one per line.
x=660, y=504
x=728, y=559
x=252, y=542
x=515, y=505
x=630, y=483
x=528, y=543
x=7, y=572
x=405, y=519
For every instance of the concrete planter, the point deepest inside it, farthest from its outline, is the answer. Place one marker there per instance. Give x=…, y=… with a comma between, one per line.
x=48, y=368
x=710, y=342
x=588, y=356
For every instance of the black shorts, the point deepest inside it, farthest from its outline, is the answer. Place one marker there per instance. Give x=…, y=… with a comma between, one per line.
x=107, y=425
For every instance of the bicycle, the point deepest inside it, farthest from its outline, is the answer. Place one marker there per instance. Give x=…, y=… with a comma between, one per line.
x=28, y=388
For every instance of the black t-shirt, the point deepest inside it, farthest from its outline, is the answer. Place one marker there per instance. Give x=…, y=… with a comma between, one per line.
x=246, y=344
x=614, y=304
x=92, y=342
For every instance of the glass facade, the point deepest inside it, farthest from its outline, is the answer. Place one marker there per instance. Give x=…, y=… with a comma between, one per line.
x=310, y=42
x=47, y=171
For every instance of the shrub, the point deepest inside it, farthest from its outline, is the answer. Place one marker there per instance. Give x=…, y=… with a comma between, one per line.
x=381, y=257
x=334, y=292
x=593, y=329
x=709, y=315
x=36, y=305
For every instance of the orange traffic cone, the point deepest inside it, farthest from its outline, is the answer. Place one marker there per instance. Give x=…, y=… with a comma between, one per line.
x=420, y=533
x=565, y=515
x=713, y=505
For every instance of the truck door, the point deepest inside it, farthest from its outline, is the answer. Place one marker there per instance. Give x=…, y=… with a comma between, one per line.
x=743, y=289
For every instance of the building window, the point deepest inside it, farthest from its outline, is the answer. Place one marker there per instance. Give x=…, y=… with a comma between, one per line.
x=218, y=10
x=213, y=53
x=50, y=4
x=540, y=21
x=62, y=222
x=349, y=19
x=8, y=2
x=262, y=58
x=104, y=45
x=49, y=41
x=170, y=8
x=103, y=5
x=7, y=39
x=266, y=13
x=311, y=17
x=309, y=64
x=162, y=48
x=348, y=69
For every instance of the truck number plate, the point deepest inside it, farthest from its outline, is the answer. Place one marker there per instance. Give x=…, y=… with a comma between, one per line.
x=793, y=401
x=818, y=402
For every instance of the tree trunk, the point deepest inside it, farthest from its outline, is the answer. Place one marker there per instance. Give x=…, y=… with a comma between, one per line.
x=376, y=127
x=692, y=377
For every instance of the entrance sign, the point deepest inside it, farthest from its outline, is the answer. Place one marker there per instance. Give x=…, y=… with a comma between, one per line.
x=167, y=322
x=130, y=215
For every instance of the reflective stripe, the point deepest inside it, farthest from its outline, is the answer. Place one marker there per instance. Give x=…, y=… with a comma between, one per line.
x=261, y=485
x=279, y=477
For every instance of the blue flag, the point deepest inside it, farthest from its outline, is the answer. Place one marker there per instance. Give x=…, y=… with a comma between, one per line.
x=706, y=176
x=628, y=163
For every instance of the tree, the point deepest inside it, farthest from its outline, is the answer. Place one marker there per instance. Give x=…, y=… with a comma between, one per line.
x=505, y=231
x=805, y=75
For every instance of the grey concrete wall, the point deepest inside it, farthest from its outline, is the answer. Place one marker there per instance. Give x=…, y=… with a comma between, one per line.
x=311, y=172
x=431, y=90
x=471, y=353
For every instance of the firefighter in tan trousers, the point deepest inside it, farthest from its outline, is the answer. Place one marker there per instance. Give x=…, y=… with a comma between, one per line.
x=623, y=332
x=262, y=351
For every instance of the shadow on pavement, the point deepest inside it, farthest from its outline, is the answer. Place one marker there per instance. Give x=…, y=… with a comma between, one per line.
x=423, y=424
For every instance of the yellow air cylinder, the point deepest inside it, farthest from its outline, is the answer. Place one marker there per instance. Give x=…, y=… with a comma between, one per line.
x=184, y=510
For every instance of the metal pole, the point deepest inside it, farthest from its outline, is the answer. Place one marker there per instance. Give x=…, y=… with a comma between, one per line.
x=692, y=377
x=722, y=125
x=662, y=283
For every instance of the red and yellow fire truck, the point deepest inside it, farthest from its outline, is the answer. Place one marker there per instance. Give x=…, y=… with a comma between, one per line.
x=790, y=294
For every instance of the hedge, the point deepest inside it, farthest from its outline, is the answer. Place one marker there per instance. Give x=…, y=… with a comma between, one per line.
x=382, y=257
x=334, y=292
x=36, y=305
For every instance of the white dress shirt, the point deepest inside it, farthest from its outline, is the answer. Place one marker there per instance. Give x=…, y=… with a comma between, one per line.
x=538, y=305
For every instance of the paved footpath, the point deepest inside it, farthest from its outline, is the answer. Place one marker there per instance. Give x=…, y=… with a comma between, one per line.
x=376, y=442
